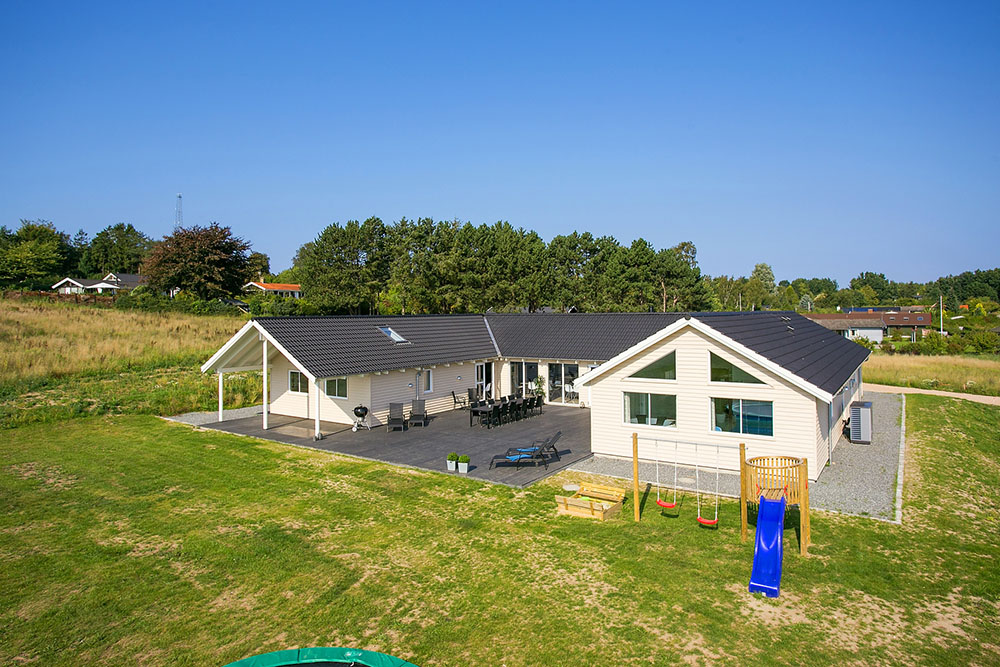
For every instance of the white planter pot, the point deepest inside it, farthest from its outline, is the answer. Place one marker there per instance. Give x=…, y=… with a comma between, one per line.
x=463, y=467
x=451, y=465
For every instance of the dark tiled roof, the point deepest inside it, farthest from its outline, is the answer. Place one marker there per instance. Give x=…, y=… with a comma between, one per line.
x=582, y=336
x=331, y=346
x=129, y=280
x=819, y=356
x=814, y=353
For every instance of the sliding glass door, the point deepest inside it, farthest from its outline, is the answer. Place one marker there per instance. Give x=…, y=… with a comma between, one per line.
x=561, y=378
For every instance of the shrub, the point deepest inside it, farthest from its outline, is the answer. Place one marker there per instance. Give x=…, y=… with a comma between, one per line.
x=464, y=458
x=887, y=346
x=864, y=342
x=453, y=456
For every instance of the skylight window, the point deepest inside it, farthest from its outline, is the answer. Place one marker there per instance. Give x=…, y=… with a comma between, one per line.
x=395, y=337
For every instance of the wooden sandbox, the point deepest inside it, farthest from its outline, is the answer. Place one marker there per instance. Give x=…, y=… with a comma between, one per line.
x=594, y=501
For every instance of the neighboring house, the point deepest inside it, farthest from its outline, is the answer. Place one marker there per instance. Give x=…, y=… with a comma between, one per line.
x=84, y=285
x=774, y=380
x=127, y=281
x=113, y=282
x=852, y=324
x=912, y=324
x=292, y=290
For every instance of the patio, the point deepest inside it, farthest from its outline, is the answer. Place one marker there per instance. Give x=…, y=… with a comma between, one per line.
x=426, y=447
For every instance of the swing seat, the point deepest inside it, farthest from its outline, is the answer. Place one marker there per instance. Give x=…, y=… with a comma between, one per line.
x=664, y=503
x=707, y=522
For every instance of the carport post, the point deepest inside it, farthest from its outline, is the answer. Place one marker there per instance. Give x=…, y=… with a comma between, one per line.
x=265, y=384
x=220, y=396
x=317, y=435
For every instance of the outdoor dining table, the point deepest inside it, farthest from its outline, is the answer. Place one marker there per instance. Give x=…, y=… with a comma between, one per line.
x=479, y=410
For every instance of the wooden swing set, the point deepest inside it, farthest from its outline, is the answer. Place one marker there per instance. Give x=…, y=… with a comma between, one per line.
x=771, y=477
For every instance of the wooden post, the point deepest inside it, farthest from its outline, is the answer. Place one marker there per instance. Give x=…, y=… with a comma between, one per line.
x=804, y=508
x=743, y=493
x=635, y=475
x=265, y=384
x=220, y=396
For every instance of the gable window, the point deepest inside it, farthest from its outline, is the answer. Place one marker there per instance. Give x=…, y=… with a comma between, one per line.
x=336, y=387
x=725, y=371
x=737, y=415
x=428, y=381
x=297, y=383
x=664, y=368
x=650, y=409
x=395, y=337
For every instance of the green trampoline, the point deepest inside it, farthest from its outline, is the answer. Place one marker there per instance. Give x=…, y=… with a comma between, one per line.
x=322, y=656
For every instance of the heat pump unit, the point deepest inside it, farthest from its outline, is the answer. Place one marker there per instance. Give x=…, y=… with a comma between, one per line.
x=861, y=422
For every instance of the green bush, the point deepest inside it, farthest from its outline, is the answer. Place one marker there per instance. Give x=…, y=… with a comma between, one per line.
x=453, y=456
x=464, y=458
x=151, y=301
x=864, y=342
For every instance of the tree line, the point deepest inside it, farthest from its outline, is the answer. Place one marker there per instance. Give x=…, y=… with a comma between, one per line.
x=428, y=266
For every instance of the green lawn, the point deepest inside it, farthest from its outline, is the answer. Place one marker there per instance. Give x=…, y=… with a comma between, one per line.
x=128, y=540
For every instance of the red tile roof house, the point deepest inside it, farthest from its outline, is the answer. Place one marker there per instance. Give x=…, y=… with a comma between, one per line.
x=773, y=380
x=293, y=290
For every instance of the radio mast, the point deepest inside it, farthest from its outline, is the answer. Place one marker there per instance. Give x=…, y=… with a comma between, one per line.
x=178, y=212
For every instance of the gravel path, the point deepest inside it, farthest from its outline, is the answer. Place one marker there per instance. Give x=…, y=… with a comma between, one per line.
x=201, y=418
x=861, y=480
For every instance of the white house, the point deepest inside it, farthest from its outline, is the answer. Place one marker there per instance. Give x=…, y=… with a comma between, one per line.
x=292, y=290
x=775, y=381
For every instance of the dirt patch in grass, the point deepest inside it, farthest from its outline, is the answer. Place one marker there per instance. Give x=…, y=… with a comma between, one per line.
x=947, y=618
x=233, y=599
x=774, y=613
x=121, y=535
x=51, y=477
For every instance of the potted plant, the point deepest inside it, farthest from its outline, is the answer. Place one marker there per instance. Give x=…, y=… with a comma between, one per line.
x=539, y=386
x=452, y=459
x=463, y=463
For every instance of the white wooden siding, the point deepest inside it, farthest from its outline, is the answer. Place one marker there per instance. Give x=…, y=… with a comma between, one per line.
x=392, y=388
x=794, y=410
x=292, y=404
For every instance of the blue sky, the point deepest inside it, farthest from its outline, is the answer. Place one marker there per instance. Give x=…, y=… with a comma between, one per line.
x=824, y=140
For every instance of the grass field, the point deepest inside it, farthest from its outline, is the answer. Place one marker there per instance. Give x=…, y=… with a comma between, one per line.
x=64, y=360
x=42, y=341
x=974, y=375
x=127, y=540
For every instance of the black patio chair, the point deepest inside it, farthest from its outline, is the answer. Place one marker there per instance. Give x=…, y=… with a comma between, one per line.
x=539, y=402
x=505, y=413
x=473, y=395
x=418, y=413
x=519, y=458
x=527, y=408
x=459, y=403
x=395, y=417
x=546, y=446
x=493, y=418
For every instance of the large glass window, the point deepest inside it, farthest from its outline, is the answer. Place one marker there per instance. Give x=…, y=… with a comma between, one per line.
x=555, y=383
x=570, y=373
x=735, y=415
x=297, y=382
x=516, y=376
x=664, y=368
x=530, y=375
x=650, y=409
x=336, y=387
x=725, y=371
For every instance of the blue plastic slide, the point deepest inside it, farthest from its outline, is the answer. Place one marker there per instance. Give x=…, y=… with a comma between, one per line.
x=766, y=575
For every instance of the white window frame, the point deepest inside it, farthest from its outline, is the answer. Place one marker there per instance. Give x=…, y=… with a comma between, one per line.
x=302, y=378
x=326, y=387
x=428, y=380
x=711, y=416
x=723, y=383
x=649, y=402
